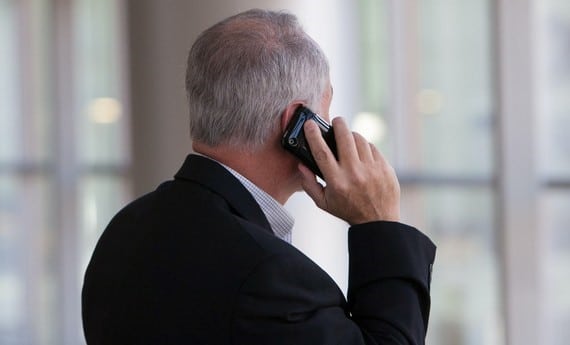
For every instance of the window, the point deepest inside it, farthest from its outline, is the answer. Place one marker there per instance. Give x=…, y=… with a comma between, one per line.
x=63, y=157
x=471, y=99
x=428, y=77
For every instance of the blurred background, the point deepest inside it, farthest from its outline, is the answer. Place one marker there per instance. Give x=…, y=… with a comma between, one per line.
x=469, y=99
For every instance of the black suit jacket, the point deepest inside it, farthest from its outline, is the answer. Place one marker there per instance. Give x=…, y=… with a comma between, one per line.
x=195, y=262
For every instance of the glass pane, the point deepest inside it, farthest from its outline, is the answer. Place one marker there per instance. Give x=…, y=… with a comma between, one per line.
x=10, y=112
x=555, y=88
x=38, y=91
x=100, y=108
x=554, y=37
x=27, y=262
x=370, y=121
x=455, y=100
x=556, y=266
x=466, y=302
x=100, y=199
x=28, y=290
x=24, y=58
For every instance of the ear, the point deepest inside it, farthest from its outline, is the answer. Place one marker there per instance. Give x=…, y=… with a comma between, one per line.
x=287, y=114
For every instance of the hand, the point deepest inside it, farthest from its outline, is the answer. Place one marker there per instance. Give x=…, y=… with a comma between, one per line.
x=360, y=187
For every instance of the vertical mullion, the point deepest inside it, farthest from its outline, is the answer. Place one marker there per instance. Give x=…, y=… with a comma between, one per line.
x=66, y=174
x=123, y=57
x=403, y=119
x=518, y=183
x=404, y=81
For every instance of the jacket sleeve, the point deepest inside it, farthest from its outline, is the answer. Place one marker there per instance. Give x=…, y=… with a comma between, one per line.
x=389, y=281
x=287, y=299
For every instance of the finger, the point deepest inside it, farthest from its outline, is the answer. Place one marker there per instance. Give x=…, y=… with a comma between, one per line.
x=346, y=148
x=363, y=148
x=319, y=149
x=311, y=186
x=376, y=154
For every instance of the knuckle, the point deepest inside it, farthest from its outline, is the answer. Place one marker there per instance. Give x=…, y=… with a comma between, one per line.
x=360, y=178
x=341, y=187
x=320, y=155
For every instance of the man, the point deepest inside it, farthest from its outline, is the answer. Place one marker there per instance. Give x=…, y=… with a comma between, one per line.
x=205, y=258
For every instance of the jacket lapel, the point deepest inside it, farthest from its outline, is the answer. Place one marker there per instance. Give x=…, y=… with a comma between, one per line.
x=219, y=180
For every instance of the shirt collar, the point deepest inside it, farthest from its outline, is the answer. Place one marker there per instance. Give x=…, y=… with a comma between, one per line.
x=278, y=217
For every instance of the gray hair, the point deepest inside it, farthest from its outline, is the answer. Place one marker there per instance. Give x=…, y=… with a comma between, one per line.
x=244, y=71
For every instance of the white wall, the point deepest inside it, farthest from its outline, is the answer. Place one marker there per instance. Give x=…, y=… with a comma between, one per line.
x=161, y=33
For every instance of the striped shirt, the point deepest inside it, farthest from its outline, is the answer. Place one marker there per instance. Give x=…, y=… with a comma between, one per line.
x=279, y=218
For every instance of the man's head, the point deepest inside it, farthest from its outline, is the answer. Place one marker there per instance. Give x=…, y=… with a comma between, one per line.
x=244, y=71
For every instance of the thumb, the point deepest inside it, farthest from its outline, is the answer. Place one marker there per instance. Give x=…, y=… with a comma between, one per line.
x=311, y=186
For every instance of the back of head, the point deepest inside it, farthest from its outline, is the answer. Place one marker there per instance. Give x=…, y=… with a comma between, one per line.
x=244, y=71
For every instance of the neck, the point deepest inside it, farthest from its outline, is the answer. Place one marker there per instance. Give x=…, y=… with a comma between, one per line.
x=270, y=168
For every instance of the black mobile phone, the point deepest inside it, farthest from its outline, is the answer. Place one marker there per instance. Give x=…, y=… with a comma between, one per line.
x=294, y=137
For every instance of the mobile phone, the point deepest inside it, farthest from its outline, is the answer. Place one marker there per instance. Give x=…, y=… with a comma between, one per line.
x=294, y=141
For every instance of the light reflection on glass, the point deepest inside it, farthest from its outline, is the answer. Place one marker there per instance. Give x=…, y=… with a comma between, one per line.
x=104, y=110
x=371, y=126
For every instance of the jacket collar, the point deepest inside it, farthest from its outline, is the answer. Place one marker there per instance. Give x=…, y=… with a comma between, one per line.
x=219, y=180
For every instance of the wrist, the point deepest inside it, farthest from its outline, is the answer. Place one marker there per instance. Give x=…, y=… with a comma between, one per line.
x=393, y=216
